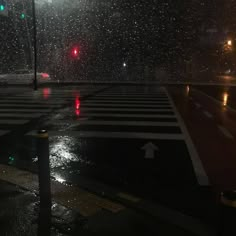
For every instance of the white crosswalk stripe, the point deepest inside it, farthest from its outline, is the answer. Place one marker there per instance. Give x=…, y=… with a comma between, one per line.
x=111, y=109
x=145, y=120
x=13, y=122
x=14, y=115
x=19, y=107
x=3, y=132
x=136, y=112
x=110, y=101
x=126, y=115
x=29, y=105
x=88, y=104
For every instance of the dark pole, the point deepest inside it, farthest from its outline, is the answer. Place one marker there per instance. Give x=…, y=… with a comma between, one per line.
x=44, y=183
x=35, y=46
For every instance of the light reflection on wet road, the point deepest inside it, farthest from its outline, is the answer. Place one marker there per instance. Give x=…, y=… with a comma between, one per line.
x=116, y=162
x=62, y=151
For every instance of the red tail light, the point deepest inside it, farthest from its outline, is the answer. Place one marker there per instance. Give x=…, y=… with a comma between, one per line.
x=45, y=75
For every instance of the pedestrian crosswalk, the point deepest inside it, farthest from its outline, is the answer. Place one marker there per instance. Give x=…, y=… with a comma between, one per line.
x=21, y=106
x=133, y=111
x=140, y=117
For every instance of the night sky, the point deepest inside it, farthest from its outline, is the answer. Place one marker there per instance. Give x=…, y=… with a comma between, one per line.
x=110, y=32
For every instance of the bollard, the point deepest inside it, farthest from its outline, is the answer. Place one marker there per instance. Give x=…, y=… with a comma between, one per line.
x=228, y=213
x=44, y=224
x=44, y=169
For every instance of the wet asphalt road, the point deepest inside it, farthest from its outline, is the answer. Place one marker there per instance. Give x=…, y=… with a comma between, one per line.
x=226, y=95
x=128, y=138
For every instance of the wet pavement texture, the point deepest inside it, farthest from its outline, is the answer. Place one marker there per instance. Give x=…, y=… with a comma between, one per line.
x=226, y=95
x=20, y=215
x=118, y=162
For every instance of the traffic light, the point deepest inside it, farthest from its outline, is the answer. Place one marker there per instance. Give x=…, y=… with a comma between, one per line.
x=3, y=8
x=75, y=52
x=11, y=160
x=22, y=16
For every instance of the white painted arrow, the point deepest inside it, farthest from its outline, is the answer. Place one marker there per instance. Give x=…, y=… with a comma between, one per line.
x=150, y=149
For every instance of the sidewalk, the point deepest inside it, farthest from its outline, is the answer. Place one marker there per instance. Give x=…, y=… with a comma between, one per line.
x=19, y=216
x=76, y=211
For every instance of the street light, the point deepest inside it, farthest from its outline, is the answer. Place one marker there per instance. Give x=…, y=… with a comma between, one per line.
x=229, y=43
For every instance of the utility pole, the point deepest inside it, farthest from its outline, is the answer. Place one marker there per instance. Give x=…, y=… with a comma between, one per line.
x=35, y=46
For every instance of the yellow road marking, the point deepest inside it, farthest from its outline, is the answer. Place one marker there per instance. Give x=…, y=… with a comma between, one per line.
x=129, y=197
x=69, y=196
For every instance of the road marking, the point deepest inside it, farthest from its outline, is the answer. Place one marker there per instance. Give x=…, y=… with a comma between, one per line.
x=72, y=197
x=14, y=110
x=14, y=122
x=197, y=164
x=125, y=109
x=131, y=96
x=208, y=114
x=214, y=100
x=225, y=132
x=132, y=99
x=162, y=105
x=93, y=100
x=117, y=122
x=14, y=115
x=127, y=135
x=128, y=197
x=108, y=101
x=44, y=102
x=198, y=105
x=127, y=115
x=150, y=150
x=3, y=132
x=29, y=105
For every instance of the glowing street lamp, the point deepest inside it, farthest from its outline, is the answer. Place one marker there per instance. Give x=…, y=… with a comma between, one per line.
x=229, y=43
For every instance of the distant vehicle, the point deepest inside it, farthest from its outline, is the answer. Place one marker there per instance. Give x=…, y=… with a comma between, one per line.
x=24, y=76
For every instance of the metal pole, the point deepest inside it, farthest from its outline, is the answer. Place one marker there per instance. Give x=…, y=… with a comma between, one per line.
x=35, y=46
x=44, y=169
x=44, y=183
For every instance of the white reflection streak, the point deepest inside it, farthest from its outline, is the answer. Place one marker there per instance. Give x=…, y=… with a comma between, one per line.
x=61, y=152
x=59, y=179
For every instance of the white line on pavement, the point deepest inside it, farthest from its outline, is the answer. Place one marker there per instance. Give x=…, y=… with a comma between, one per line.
x=208, y=114
x=196, y=161
x=131, y=96
x=127, y=115
x=14, y=110
x=125, y=109
x=30, y=101
x=108, y=101
x=225, y=132
x=25, y=105
x=131, y=99
x=124, y=105
x=13, y=122
x=122, y=123
x=17, y=115
x=128, y=135
x=3, y=132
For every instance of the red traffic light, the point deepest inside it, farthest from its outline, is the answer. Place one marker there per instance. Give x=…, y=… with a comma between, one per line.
x=75, y=52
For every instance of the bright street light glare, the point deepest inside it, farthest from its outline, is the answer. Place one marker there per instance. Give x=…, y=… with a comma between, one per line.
x=229, y=42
